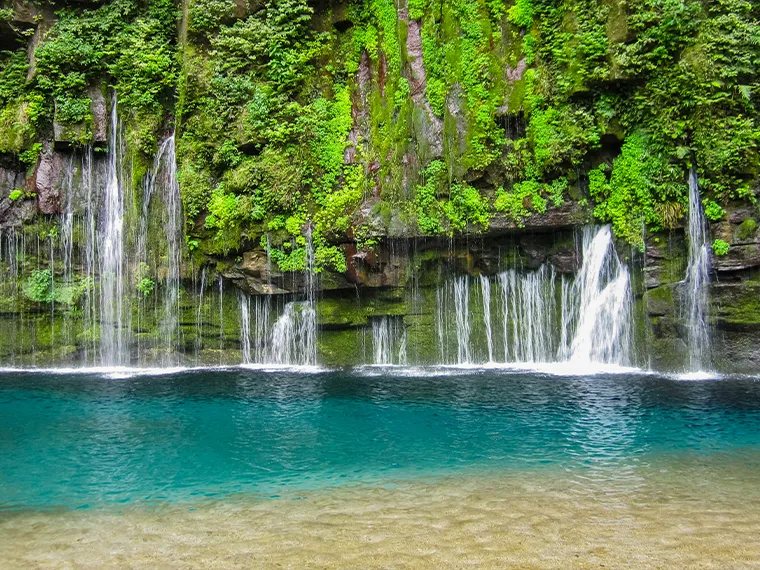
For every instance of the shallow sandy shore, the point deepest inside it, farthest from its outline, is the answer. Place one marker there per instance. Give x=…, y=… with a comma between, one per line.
x=650, y=518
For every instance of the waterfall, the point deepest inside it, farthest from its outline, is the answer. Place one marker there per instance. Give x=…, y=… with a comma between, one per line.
x=697, y=280
x=165, y=172
x=441, y=325
x=245, y=326
x=293, y=337
x=545, y=317
x=389, y=340
x=527, y=312
x=485, y=290
x=261, y=319
x=162, y=258
x=462, y=315
x=111, y=258
x=90, y=257
x=603, y=289
x=199, y=317
x=220, y=289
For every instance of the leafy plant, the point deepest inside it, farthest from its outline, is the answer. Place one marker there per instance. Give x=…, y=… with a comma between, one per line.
x=713, y=211
x=720, y=247
x=145, y=286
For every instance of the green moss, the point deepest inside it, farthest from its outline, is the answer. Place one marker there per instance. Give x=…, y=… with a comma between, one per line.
x=747, y=229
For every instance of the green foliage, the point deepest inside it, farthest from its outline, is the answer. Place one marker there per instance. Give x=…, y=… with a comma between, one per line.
x=329, y=124
x=72, y=110
x=713, y=211
x=145, y=286
x=31, y=155
x=561, y=136
x=277, y=132
x=16, y=129
x=521, y=14
x=416, y=9
x=129, y=42
x=41, y=287
x=720, y=247
x=207, y=16
x=13, y=68
x=640, y=178
x=226, y=214
x=429, y=211
x=330, y=256
x=335, y=216
x=524, y=198
x=16, y=194
x=466, y=206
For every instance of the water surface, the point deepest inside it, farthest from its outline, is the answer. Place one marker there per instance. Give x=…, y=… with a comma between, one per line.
x=333, y=466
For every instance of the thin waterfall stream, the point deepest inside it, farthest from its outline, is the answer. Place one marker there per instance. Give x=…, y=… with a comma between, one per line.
x=697, y=281
x=113, y=329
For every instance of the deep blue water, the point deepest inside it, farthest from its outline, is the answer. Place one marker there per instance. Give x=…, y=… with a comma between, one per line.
x=82, y=440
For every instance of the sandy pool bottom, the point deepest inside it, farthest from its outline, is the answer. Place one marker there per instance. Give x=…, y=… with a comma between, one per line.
x=655, y=518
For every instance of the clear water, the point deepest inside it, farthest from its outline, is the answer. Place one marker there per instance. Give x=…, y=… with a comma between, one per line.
x=84, y=440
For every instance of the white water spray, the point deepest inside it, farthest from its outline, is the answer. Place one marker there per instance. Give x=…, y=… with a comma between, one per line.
x=602, y=334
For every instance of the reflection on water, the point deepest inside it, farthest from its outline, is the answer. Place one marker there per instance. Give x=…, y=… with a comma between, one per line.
x=77, y=441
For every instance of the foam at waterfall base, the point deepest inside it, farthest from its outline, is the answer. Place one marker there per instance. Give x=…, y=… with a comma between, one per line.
x=697, y=376
x=551, y=368
x=115, y=372
x=296, y=368
x=124, y=372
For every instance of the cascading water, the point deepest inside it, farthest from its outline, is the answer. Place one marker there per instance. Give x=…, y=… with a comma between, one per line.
x=389, y=340
x=261, y=310
x=528, y=303
x=462, y=315
x=546, y=318
x=199, y=317
x=485, y=292
x=245, y=326
x=292, y=339
x=603, y=287
x=111, y=258
x=697, y=280
x=165, y=175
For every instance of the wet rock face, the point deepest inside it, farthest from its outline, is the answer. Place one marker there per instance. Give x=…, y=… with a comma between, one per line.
x=47, y=181
x=99, y=110
x=734, y=294
x=396, y=263
x=664, y=259
x=735, y=308
x=13, y=212
x=740, y=230
x=564, y=217
x=431, y=127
